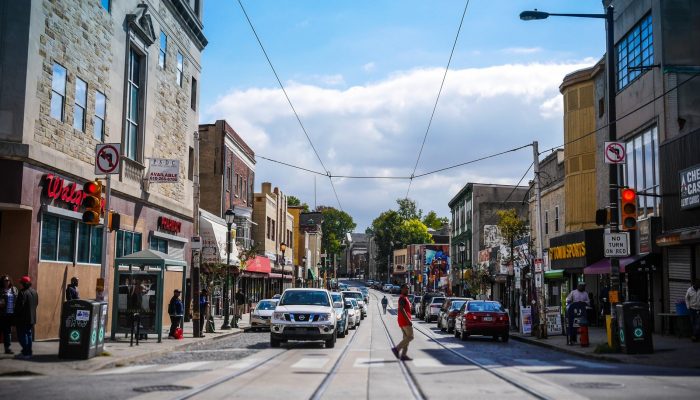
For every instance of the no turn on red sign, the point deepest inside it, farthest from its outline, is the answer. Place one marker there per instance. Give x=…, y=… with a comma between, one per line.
x=614, y=153
x=107, y=158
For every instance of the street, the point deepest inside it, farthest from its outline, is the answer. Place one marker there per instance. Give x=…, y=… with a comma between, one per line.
x=362, y=366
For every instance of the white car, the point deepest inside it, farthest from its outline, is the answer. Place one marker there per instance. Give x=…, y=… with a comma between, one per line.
x=354, y=313
x=387, y=287
x=432, y=310
x=357, y=295
x=304, y=314
x=261, y=317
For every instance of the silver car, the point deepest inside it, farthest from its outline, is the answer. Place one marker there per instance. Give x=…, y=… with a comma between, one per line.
x=262, y=314
x=354, y=313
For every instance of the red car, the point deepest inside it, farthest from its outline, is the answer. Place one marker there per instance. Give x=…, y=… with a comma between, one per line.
x=479, y=317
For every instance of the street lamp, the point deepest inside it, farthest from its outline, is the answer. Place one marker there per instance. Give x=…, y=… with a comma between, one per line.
x=303, y=271
x=283, y=248
x=318, y=273
x=229, y=216
x=612, y=134
x=461, y=247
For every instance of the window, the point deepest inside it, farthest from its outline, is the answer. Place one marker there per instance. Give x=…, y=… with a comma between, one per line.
x=80, y=104
x=106, y=4
x=635, y=50
x=236, y=187
x=190, y=164
x=642, y=172
x=67, y=240
x=128, y=242
x=159, y=244
x=58, y=91
x=269, y=228
x=133, y=112
x=193, y=94
x=179, y=69
x=556, y=219
x=98, y=121
x=229, y=179
x=162, y=52
x=546, y=222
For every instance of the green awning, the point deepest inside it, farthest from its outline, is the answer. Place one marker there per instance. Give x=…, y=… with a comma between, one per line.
x=554, y=274
x=310, y=274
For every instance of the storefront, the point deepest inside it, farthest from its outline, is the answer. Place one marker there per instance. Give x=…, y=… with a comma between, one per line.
x=255, y=278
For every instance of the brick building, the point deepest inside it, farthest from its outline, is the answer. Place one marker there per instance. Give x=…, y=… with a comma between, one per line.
x=74, y=74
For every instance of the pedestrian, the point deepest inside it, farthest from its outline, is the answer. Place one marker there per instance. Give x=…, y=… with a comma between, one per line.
x=240, y=303
x=203, y=307
x=8, y=302
x=72, y=290
x=176, y=311
x=385, y=302
x=576, y=296
x=25, y=316
x=692, y=301
x=404, y=320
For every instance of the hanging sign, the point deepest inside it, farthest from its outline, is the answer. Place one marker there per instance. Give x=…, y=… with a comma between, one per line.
x=161, y=170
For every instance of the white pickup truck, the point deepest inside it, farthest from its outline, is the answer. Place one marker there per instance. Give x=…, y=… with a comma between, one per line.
x=304, y=314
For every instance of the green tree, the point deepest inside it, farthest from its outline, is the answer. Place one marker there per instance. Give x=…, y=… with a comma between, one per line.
x=512, y=227
x=336, y=224
x=408, y=209
x=431, y=220
x=413, y=231
x=293, y=201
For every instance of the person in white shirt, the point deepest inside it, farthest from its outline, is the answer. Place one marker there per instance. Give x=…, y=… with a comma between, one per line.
x=576, y=296
x=692, y=301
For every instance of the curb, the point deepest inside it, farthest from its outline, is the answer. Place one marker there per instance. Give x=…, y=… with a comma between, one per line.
x=568, y=351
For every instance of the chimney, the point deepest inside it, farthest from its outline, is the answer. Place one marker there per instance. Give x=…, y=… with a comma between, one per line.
x=266, y=187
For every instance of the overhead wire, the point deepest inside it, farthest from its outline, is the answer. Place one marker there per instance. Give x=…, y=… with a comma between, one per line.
x=437, y=98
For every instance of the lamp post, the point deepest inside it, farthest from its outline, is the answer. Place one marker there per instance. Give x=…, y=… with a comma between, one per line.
x=318, y=273
x=303, y=271
x=612, y=135
x=461, y=247
x=229, y=216
x=283, y=248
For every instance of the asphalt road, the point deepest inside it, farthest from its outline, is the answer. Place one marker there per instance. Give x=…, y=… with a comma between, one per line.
x=362, y=366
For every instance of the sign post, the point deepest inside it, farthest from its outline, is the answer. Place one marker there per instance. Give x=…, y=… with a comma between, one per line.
x=107, y=160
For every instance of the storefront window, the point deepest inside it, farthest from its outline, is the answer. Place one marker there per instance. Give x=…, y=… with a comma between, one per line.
x=128, y=242
x=89, y=244
x=63, y=239
x=159, y=244
x=49, y=237
x=641, y=171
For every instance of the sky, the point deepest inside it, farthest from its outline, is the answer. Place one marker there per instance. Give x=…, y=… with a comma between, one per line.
x=363, y=76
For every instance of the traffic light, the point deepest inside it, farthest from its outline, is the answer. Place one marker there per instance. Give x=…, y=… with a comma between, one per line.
x=113, y=221
x=92, y=202
x=628, y=209
x=601, y=217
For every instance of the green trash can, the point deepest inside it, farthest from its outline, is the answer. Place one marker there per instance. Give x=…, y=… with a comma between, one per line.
x=634, y=328
x=81, y=321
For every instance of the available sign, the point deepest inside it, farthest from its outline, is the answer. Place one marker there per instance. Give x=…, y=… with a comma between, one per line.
x=161, y=170
x=617, y=244
x=690, y=187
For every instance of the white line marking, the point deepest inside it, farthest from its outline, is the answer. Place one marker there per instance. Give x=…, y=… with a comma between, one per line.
x=532, y=362
x=368, y=362
x=245, y=363
x=123, y=370
x=311, y=363
x=588, y=364
x=16, y=378
x=185, y=366
x=428, y=363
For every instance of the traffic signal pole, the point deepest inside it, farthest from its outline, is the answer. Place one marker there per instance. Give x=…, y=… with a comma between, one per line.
x=541, y=330
x=104, y=270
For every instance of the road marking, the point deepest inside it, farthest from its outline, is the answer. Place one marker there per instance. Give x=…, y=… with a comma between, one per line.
x=123, y=370
x=311, y=363
x=16, y=378
x=189, y=366
x=245, y=363
x=368, y=362
x=428, y=363
x=589, y=364
x=486, y=362
x=532, y=362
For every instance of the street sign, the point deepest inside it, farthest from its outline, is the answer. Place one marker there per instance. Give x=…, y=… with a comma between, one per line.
x=617, y=244
x=538, y=265
x=196, y=243
x=614, y=153
x=107, y=157
x=538, y=280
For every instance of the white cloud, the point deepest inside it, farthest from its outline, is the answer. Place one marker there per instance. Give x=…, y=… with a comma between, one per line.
x=376, y=129
x=521, y=50
x=369, y=67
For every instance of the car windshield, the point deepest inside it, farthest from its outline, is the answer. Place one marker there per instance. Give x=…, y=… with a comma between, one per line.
x=304, y=298
x=485, y=306
x=354, y=295
x=337, y=297
x=438, y=300
x=266, y=305
x=456, y=305
x=354, y=303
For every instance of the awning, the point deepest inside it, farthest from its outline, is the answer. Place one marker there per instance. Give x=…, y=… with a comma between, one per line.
x=258, y=264
x=213, y=233
x=554, y=274
x=310, y=274
x=603, y=266
x=279, y=276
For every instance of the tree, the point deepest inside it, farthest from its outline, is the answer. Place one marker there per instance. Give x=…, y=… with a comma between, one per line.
x=431, y=220
x=293, y=201
x=336, y=224
x=408, y=209
x=386, y=230
x=512, y=227
x=413, y=231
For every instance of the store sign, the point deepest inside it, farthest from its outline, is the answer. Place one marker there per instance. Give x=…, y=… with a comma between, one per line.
x=690, y=187
x=59, y=189
x=161, y=170
x=574, y=250
x=169, y=225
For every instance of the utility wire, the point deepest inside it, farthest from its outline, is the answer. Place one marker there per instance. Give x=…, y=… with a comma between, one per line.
x=286, y=95
x=291, y=165
x=472, y=161
x=437, y=99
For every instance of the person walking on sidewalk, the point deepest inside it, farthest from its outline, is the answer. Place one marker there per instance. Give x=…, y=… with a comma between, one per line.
x=576, y=296
x=8, y=300
x=404, y=320
x=203, y=308
x=692, y=301
x=385, y=303
x=240, y=304
x=25, y=311
x=176, y=311
x=72, y=292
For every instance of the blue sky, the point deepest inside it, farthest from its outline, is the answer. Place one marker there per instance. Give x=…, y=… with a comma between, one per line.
x=364, y=74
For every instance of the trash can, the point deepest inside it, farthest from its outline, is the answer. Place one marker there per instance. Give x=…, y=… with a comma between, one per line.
x=634, y=328
x=82, y=321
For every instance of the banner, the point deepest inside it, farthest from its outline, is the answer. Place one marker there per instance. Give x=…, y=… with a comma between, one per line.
x=525, y=320
x=161, y=170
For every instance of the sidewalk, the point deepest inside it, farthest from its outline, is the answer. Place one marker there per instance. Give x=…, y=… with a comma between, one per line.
x=117, y=353
x=669, y=351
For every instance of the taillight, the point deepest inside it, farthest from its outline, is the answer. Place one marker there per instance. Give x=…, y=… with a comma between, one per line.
x=503, y=318
x=472, y=317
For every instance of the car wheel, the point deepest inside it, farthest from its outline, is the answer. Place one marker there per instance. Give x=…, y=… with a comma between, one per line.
x=330, y=343
x=274, y=343
x=341, y=334
x=505, y=338
x=495, y=338
x=464, y=336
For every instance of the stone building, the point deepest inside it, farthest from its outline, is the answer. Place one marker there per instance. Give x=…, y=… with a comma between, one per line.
x=74, y=74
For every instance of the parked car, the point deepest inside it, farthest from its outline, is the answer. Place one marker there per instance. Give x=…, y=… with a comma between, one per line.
x=304, y=314
x=395, y=289
x=387, y=287
x=448, y=312
x=261, y=316
x=479, y=317
x=341, y=314
x=365, y=292
x=432, y=310
x=357, y=295
x=425, y=300
x=415, y=304
x=354, y=312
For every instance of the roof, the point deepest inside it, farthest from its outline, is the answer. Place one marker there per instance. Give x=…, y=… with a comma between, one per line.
x=149, y=257
x=310, y=219
x=471, y=185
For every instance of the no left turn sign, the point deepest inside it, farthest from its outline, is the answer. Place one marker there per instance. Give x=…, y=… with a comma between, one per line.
x=614, y=153
x=107, y=158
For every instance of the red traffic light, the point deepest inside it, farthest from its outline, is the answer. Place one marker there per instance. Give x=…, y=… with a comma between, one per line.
x=628, y=195
x=92, y=188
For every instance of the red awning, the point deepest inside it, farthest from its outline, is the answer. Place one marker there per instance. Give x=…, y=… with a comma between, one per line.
x=258, y=264
x=603, y=266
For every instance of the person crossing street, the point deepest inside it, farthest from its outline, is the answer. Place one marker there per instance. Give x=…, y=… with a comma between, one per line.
x=404, y=320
